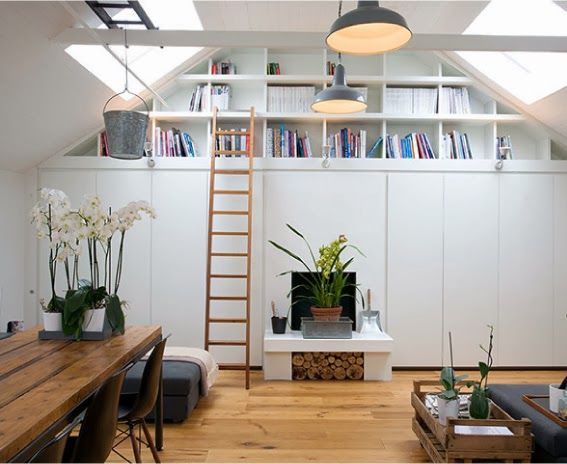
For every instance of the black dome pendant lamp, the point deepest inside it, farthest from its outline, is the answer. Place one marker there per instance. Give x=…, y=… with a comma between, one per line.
x=368, y=29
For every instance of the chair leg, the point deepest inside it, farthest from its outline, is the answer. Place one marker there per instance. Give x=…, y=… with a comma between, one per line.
x=133, y=440
x=150, y=442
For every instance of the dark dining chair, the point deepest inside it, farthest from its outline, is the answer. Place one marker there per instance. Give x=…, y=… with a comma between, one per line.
x=98, y=428
x=52, y=451
x=134, y=417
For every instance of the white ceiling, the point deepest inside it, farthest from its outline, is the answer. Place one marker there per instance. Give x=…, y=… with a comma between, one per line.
x=48, y=101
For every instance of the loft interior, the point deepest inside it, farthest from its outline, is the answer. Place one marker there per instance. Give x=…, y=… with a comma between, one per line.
x=283, y=231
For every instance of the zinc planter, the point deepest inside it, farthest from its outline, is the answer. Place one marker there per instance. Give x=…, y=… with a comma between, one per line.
x=94, y=320
x=446, y=409
x=52, y=322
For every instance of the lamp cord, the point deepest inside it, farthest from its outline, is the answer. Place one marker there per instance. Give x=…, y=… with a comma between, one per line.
x=126, y=59
x=340, y=13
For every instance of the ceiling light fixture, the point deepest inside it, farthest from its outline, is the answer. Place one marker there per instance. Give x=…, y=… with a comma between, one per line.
x=368, y=29
x=339, y=98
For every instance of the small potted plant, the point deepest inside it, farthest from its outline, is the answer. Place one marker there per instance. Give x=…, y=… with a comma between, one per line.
x=279, y=323
x=479, y=403
x=325, y=280
x=448, y=398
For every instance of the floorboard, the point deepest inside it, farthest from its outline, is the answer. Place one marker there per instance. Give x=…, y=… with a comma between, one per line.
x=303, y=421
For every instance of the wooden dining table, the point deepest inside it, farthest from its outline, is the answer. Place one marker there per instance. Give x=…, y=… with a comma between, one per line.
x=45, y=383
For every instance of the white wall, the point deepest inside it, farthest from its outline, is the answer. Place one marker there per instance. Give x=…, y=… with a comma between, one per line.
x=12, y=229
x=445, y=251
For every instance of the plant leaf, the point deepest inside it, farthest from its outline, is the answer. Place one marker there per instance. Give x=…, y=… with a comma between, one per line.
x=114, y=313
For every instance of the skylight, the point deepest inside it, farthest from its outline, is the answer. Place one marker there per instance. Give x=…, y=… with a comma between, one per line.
x=150, y=63
x=530, y=76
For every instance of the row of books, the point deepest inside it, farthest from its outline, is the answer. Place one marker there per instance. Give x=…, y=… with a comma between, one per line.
x=455, y=146
x=292, y=99
x=347, y=144
x=173, y=143
x=410, y=100
x=412, y=146
x=273, y=69
x=284, y=143
x=233, y=142
x=203, y=99
x=504, y=148
x=223, y=67
x=454, y=100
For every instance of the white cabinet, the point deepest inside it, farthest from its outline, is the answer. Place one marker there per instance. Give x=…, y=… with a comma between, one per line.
x=116, y=189
x=178, y=256
x=560, y=272
x=524, y=332
x=470, y=288
x=415, y=268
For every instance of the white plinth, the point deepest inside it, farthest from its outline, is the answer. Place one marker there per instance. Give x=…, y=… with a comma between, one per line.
x=377, y=349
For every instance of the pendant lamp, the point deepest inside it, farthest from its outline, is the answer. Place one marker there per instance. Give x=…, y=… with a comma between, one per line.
x=339, y=98
x=368, y=29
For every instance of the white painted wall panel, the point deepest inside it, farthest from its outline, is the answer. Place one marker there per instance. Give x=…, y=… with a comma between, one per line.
x=560, y=271
x=470, y=264
x=525, y=326
x=415, y=268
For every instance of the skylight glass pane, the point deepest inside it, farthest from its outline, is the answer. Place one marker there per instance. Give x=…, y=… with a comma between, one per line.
x=150, y=63
x=527, y=75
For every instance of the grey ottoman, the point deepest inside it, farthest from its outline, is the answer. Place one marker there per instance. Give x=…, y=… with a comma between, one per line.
x=550, y=438
x=181, y=389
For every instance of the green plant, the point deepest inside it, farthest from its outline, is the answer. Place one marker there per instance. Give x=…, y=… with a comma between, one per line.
x=450, y=381
x=326, y=279
x=479, y=407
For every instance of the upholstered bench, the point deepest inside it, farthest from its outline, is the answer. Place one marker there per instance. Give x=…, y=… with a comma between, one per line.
x=550, y=438
x=181, y=388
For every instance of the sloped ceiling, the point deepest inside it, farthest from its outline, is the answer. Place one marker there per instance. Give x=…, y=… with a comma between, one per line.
x=49, y=101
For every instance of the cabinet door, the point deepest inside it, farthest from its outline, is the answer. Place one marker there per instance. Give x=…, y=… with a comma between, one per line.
x=525, y=329
x=116, y=189
x=560, y=272
x=470, y=264
x=179, y=237
x=415, y=268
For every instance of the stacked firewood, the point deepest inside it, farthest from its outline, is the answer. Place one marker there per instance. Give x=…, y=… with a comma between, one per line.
x=327, y=366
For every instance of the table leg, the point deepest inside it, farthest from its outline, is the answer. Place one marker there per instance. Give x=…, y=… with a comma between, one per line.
x=159, y=414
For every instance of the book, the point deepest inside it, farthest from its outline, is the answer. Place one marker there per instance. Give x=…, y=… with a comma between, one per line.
x=456, y=146
x=454, y=100
x=504, y=148
x=347, y=144
x=273, y=69
x=376, y=149
x=286, y=143
x=292, y=99
x=407, y=100
x=412, y=146
x=223, y=67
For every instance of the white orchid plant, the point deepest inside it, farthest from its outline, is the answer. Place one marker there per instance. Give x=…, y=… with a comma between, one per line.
x=67, y=230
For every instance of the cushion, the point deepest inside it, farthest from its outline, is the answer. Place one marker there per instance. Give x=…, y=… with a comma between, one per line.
x=552, y=438
x=179, y=378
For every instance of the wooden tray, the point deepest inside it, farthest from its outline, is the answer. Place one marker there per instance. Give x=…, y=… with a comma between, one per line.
x=543, y=407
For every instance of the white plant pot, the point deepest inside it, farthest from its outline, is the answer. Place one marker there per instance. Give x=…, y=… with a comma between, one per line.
x=554, y=394
x=446, y=409
x=53, y=322
x=94, y=320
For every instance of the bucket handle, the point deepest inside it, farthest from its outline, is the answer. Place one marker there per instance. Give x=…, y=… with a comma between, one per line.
x=126, y=91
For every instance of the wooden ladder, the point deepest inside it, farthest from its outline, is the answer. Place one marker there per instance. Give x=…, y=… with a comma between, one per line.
x=211, y=254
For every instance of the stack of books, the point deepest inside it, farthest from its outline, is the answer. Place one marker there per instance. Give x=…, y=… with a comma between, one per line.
x=173, y=143
x=290, y=99
x=412, y=146
x=347, y=144
x=504, y=148
x=223, y=67
x=233, y=142
x=283, y=143
x=454, y=100
x=273, y=69
x=455, y=146
x=199, y=99
x=402, y=100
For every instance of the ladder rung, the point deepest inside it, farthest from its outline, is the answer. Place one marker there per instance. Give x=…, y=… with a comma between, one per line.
x=241, y=234
x=231, y=152
x=225, y=320
x=228, y=342
x=232, y=213
x=231, y=192
x=228, y=298
x=226, y=254
x=229, y=132
x=236, y=172
x=229, y=276
x=232, y=366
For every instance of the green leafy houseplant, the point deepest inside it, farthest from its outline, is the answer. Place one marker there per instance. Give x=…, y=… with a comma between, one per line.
x=326, y=279
x=448, y=398
x=479, y=406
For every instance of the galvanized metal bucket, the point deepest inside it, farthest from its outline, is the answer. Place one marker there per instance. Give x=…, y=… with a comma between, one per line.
x=126, y=131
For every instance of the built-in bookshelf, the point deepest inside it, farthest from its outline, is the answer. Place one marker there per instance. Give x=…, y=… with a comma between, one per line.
x=252, y=83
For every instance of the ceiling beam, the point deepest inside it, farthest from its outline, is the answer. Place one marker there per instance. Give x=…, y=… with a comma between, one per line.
x=261, y=39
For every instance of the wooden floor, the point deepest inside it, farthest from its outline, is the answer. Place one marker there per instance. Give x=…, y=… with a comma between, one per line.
x=302, y=421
